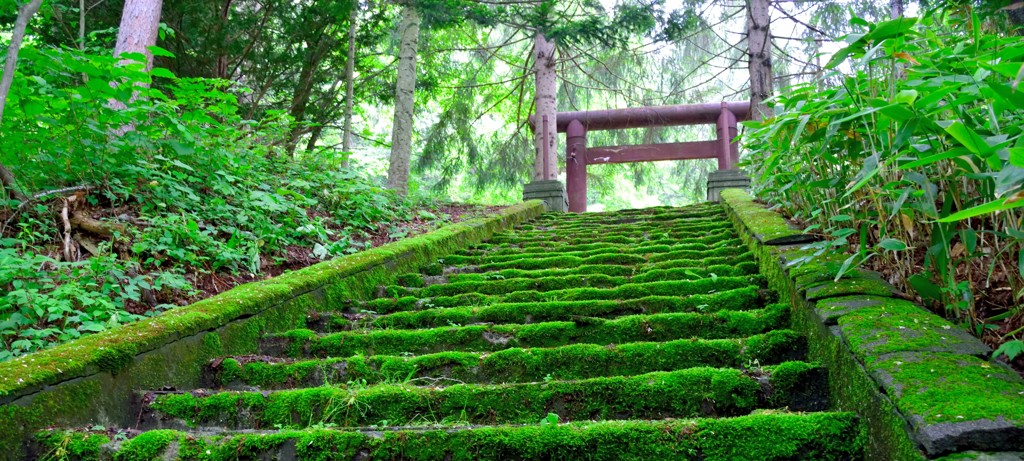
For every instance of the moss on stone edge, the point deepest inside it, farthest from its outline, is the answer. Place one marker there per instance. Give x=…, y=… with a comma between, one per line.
x=852, y=389
x=759, y=437
x=113, y=350
x=936, y=388
x=764, y=224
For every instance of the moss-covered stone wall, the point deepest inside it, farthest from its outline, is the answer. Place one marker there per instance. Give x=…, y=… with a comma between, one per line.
x=92, y=380
x=924, y=387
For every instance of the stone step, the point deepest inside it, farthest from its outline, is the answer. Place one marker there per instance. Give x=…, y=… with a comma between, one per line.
x=482, y=338
x=514, y=365
x=737, y=299
x=765, y=436
x=549, y=246
x=580, y=287
x=413, y=303
x=687, y=393
x=633, y=234
x=639, y=250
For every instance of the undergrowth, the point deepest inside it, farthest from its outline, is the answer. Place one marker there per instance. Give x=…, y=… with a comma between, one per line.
x=141, y=186
x=914, y=158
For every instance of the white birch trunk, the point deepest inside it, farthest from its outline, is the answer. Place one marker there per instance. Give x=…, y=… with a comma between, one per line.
x=759, y=55
x=140, y=23
x=405, y=87
x=7, y=79
x=546, y=84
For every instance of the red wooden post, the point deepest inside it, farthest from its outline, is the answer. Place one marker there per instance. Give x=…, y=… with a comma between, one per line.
x=576, y=166
x=728, y=151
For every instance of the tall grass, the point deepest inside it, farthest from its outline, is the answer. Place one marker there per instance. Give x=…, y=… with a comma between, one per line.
x=914, y=158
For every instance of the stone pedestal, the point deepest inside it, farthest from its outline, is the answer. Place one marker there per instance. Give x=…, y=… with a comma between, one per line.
x=726, y=179
x=552, y=192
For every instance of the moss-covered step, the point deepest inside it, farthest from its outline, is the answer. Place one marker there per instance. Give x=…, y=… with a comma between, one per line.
x=402, y=302
x=515, y=365
x=588, y=330
x=634, y=234
x=604, y=240
x=452, y=273
x=737, y=299
x=771, y=436
x=683, y=393
x=582, y=287
x=635, y=249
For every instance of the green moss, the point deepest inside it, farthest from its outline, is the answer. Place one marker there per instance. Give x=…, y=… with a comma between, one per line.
x=682, y=393
x=68, y=445
x=113, y=350
x=747, y=298
x=900, y=326
x=412, y=280
x=851, y=389
x=575, y=361
x=766, y=225
x=947, y=388
x=768, y=437
x=590, y=269
x=659, y=327
x=433, y=269
x=146, y=446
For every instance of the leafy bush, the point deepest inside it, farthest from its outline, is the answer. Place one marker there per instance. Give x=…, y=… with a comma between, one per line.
x=185, y=183
x=915, y=158
x=48, y=301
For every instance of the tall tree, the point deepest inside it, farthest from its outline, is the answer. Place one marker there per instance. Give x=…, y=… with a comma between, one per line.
x=405, y=99
x=545, y=134
x=25, y=13
x=350, y=65
x=140, y=25
x=759, y=55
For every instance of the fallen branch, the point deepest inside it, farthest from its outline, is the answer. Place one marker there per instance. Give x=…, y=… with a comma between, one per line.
x=94, y=226
x=67, y=229
x=26, y=201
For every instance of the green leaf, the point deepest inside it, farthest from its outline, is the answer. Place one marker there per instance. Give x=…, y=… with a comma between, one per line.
x=969, y=138
x=840, y=218
x=891, y=244
x=162, y=72
x=906, y=96
x=1011, y=349
x=157, y=51
x=985, y=208
x=924, y=287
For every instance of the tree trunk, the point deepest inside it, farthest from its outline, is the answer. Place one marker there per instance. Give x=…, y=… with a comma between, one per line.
x=81, y=25
x=25, y=13
x=896, y=8
x=759, y=55
x=303, y=90
x=405, y=100
x=140, y=24
x=350, y=65
x=545, y=139
x=222, y=57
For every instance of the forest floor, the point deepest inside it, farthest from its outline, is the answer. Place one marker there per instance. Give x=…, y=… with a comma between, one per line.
x=210, y=284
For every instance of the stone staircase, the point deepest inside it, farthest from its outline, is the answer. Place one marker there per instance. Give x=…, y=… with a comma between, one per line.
x=641, y=334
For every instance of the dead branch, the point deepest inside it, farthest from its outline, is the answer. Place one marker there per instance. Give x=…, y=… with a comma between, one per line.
x=94, y=226
x=67, y=230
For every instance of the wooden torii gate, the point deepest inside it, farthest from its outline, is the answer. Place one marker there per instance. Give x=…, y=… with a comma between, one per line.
x=576, y=125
